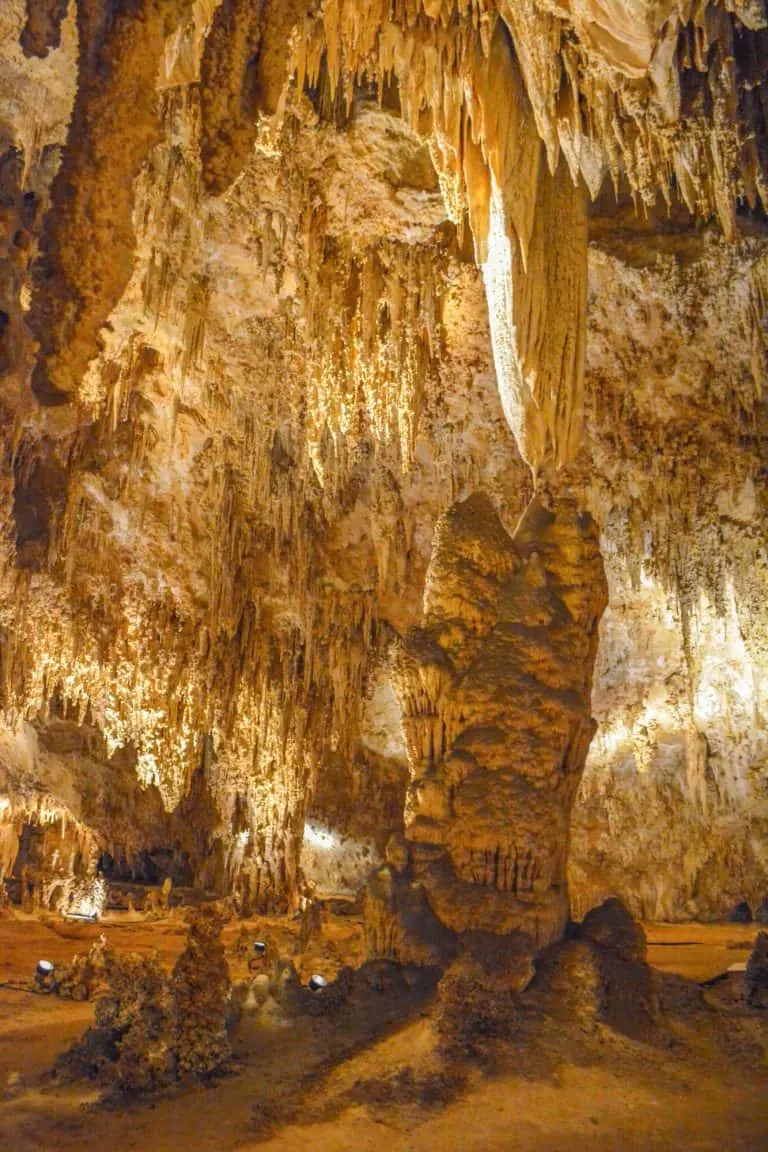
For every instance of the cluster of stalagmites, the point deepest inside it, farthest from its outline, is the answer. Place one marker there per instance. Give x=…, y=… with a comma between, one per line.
x=153, y=1030
x=481, y=992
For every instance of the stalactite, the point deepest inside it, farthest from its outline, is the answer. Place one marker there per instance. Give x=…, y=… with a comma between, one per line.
x=271, y=697
x=461, y=61
x=205, y=559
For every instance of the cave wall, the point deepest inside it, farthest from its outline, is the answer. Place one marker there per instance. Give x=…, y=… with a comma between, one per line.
x=218, y=531
x=673, y=807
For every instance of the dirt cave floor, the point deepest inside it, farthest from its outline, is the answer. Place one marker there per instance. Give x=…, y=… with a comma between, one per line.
x=382, y=1089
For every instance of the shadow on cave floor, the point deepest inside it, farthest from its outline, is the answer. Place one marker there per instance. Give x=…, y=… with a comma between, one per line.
x=393, y=1064
x=469, y=1043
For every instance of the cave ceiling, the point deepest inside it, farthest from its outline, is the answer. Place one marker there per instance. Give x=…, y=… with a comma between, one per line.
x=280, y=285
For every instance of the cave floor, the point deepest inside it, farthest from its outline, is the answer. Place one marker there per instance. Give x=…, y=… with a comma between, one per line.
x=620, y=1095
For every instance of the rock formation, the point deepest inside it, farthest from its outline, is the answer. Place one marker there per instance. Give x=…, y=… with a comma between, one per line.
x=757, y=973
x=495, y=691
x=152, y=1030
x=200, y=985
x=282, y=291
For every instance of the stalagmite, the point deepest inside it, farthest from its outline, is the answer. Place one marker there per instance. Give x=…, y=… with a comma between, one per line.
x=495, y=691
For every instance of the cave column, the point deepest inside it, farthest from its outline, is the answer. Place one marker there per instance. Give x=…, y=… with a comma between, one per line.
x=495, y=685
x=495, y=690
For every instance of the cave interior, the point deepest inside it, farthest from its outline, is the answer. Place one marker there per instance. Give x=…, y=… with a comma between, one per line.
x=384, y=574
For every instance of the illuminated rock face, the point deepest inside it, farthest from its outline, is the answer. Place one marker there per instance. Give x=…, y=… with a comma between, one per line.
x=495, y=689
x=671, y=814
x=257, y=336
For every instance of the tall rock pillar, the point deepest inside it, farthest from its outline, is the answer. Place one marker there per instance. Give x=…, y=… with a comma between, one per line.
x=495, y=691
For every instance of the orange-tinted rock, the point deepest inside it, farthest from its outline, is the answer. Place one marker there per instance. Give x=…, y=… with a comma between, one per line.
x=260, y=298
x=495, y=689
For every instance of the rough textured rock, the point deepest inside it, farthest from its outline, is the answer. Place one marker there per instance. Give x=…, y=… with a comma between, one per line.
x=611, y=926
x=42, y=30
x=757, y=973
x=86, y=972
x=200, y=987
x=495, y=691
x=306, y=282
x=130, y=1044
x=152, y=1030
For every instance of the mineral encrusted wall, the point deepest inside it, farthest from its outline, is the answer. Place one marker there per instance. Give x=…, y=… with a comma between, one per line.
x=673, y=810
x=215, y=538
x=211, y=546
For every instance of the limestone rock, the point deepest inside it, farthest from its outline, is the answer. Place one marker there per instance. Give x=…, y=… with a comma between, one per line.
x=400, y=924
x=152, y=1030
x=601, y=977
x=495, y=690
x=200, y=987
x=612, y=926
x=80, y=979
x=278, y=290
